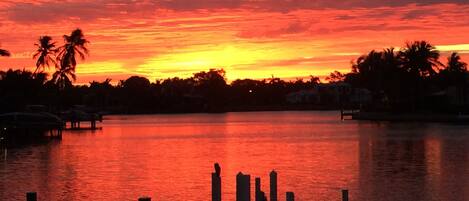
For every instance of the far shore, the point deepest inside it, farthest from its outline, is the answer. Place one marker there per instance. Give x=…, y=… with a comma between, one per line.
x=237, y=109
x=411, y=117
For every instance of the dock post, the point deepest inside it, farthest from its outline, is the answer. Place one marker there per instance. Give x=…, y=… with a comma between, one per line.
x=58, y=134
x=93, y=124
x=31, y=196
x=344, y=195
x=258, y=189
x=264, y=198
x=290, y=196
x=144, y=199
x=273, y=186
x=243, y=187
x=216, y=183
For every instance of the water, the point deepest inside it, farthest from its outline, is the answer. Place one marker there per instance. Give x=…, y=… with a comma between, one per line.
x=170, y=157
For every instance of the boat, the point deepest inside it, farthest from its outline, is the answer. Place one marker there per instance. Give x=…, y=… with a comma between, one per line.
x=18, y=126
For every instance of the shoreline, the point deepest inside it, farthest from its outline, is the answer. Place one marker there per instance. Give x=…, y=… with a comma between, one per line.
x=410, y=117
x=235, y=109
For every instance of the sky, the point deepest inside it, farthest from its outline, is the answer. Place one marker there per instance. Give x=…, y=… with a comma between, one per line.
x=248, y=38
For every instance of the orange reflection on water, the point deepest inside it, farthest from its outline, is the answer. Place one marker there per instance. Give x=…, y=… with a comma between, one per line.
x=170, y=157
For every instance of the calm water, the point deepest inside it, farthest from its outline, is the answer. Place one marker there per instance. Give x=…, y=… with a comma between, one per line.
x=170, y=157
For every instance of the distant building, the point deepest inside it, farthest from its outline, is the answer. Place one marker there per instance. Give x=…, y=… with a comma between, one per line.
x=361, y=96
x=328, y=93
x=456, y=95
x=335, y=93
x=310, y=96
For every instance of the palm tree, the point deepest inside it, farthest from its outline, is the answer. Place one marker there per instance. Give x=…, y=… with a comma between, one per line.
x=44, y=53
x=64, y=77
x=420, y=58
x=456, y=74
x=75, y=44
x=455, y=64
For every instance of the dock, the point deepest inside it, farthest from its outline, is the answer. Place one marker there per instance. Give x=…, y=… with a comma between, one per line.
x=348, y=114
x=75, y=118
x=23, y=126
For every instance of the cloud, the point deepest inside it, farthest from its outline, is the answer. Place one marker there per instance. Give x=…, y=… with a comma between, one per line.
x=201, y=4
x=251, y=38
x=49, y=10
x=419, y=13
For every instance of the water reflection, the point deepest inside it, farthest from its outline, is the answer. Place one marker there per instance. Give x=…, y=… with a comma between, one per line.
x=170, y=157
x=397, y=165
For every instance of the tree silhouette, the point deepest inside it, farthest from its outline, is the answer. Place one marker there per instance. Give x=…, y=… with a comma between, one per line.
x=455, y=64
x=455, y=75
x=45, y=52
x=335, y=76
x=211, y=85
x=420, y=58
x=63, y=77
x=75, y=44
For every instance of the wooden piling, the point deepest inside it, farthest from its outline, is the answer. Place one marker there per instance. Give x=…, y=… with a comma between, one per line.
x=243, y=187
x=216, y=187
x=258, y=196
x=344, y=195
x=93, y=124
x=290, y=196
x=31, y=196
x=144, y=199
x=273, y=186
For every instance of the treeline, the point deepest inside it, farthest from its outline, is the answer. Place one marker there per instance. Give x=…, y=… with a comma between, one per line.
x=412, y=79
x=206, y=91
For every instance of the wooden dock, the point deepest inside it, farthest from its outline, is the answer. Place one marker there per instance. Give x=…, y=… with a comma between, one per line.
x=75, y=118
x=348, y=114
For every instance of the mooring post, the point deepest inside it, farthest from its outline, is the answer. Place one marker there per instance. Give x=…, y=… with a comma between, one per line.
x=273, y=186
x=258, y=196
x=144, y=199
x=93, y=124
x=31, y=196
x=290, y=196
x=216, y=183
x=243, y=187
x=344, y=195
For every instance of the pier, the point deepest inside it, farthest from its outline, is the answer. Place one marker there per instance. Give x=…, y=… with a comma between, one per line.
x=348, y=114
x=75, y=118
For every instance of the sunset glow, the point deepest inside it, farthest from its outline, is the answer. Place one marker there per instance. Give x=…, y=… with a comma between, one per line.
x=249, y=39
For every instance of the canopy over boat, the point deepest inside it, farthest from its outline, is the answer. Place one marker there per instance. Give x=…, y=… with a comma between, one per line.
x=30, y=120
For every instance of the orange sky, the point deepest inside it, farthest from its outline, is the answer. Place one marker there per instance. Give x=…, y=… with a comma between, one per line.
x=248, y=38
